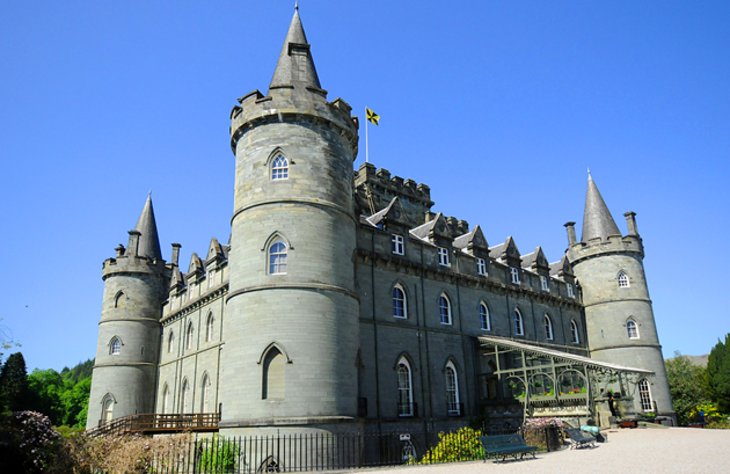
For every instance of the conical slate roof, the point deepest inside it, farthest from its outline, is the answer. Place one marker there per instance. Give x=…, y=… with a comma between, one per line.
x=149, y=242
x=295, y=67
x=597, y=219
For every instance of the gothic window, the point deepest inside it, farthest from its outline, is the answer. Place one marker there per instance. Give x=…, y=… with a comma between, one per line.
x=514, y=275
x=171, y=342
x=574, y=335
x=209, y=277
x=481, y=267
x=165, y=399
x=444, y=256
x=571, y=291
x=632, y=329
x=279, y=168
x=400, y=304
x=277, y=258
x=444, y=309
x=623, y=280
x=517, y=322
x=549, y=333
x=544, y=283
x=645, y=396
x=185, y=397
x=115, y=346
x=189, y=337
x=405, y=388
x=274, y=382
x=398, y=245
x=205, y=394
x=107, y=408
x=209, y=328
x=120, y=300
x=485, y=322
x=452, y=390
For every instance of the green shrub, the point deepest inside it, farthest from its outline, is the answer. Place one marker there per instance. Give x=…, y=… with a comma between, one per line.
x=217, y=455
x=461, y=445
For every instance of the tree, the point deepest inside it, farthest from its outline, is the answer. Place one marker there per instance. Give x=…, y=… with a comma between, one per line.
x=14, y=383
x=687, y=384
x=718, y=374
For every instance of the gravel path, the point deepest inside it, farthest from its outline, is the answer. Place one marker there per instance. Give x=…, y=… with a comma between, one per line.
x=670, y=450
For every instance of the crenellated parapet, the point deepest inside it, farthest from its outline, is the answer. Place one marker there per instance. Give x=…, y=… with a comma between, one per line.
x=613, y=244
x=128, y=261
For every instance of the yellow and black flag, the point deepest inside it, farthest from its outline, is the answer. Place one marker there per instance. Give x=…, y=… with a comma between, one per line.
x=371, y=116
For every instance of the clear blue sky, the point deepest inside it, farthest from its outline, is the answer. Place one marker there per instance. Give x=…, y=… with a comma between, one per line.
x=499, y=106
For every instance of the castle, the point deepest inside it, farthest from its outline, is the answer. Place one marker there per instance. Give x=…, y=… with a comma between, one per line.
x=343, y=302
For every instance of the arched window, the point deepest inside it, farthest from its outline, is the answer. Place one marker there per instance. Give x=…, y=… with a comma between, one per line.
x=185, y=397
x=277, y=257
x=645, y=396
x=632, y=329
x=107, y=408
x=517, y=323
x=405, y=388
x=165, y=399
x=279, y=168
x=574, y=335
x=274, y=381
x=452, y=390
x=623, y=280
x=120, y=300
x=549, y=333
x=209, y=328
x=400, y=304
x=485, y=322
x=205, y=394
x=115, y=346
x=171, y=342
x=444, y=309
x=189, y=337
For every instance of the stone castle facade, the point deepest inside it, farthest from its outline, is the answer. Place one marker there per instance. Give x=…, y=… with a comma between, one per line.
x=344, y=302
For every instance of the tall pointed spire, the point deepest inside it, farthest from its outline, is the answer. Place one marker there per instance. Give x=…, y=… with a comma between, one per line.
x=295, y=67
x=597, y=219
x=149, y=242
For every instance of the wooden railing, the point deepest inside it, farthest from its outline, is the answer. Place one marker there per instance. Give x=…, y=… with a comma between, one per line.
x=150, y=423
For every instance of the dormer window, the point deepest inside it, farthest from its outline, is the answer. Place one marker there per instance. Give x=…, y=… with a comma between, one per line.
x=481, y=267
x=571, y=291
x=398, y=245
x=544, y=283
x=279, y=168
x=444, y=257
x=514, y=275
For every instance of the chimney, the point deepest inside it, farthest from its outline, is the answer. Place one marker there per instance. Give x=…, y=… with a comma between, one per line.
x=120, y=250
x=175, y=253
x=570, y=227
x=631, y=222
x=133, y=245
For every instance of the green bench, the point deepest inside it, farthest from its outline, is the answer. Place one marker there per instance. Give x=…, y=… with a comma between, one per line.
x=506, y=445
x=579, y=439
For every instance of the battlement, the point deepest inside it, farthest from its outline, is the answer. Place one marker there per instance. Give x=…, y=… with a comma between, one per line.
x=613, y=244
x=131, y=264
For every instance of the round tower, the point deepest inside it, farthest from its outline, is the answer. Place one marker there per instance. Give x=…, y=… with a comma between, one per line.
x=127, y=352
x=619, y=316
x=291, y=319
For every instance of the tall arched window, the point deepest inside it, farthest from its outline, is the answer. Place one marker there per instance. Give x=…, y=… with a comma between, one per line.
x=405, y=388
x=165, y=399
x=189, y=339
x=107, y=408
x=205, y=394
x=632, y=329
x=185, y=397
x=452, y=390
x=274, y=381
x=277, y=257
x=549, y=333
x=444, y=309
x=279, y=168
x=574, y=334
x=209, y=327
x=623, y=280
x=645, y=396
x=485, y=322
x=400, y=304
x=171, y=342
x=517, y=323
x=115, y=346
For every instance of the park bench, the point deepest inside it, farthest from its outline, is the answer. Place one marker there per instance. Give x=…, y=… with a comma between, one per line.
x=580, y=439
x=506, y=445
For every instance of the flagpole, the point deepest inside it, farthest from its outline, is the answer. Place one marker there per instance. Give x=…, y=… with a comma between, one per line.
x=367, y=151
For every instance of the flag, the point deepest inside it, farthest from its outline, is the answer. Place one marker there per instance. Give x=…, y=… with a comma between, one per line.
x=371, y=116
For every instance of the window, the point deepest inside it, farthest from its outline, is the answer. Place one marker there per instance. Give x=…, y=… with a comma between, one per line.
x=519, y=327
x=549, y=333
x=209, y=328
x=274, y=383
x=645, y=396
x=623, y=280
x=514, y=275
x=544, y=283
x=398, y=246
x=444, y=309
x=107, y=408
x=279, y=168
x=205, y=394
x=189, y=337
x=277, y=258
x=405, y=388
x=185, y=397
x=571, y=291
x=400, y=306
x=452, y=390
x=120, y=300
x=210, y=279
x=115, y=346
x=171, y=342
x=444, y=256
x=485, y=322
x=165, y=399
x=481, y=267
x=574, y=336
x=632, y=329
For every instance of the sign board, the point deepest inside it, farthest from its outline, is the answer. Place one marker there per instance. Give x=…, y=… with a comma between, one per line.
x=405, y=436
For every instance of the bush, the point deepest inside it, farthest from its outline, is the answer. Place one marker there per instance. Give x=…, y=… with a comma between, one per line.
x=217, y=455
x=28, y=443
x=461, y=445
